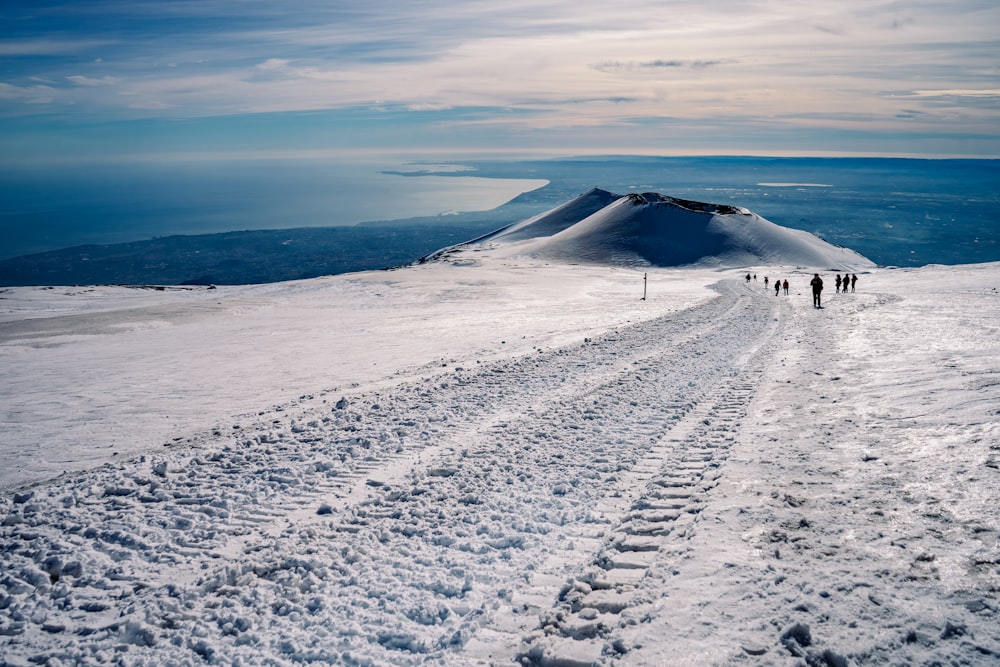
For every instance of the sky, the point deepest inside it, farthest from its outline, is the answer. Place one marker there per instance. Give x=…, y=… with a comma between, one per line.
x=154, y=80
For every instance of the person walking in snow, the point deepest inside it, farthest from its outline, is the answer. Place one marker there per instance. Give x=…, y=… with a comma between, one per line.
x=838, y=283
x=748, y=278
x=786, y=286
x=817, y=287
x=854, y=280
x=765, y=282
x=777, y=287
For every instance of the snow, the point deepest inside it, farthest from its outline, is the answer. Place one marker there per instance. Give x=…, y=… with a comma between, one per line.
x=652, y=229
x=112, y=371
x=495, y=460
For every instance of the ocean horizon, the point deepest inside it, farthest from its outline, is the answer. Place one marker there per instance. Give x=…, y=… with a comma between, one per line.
x=52, y=208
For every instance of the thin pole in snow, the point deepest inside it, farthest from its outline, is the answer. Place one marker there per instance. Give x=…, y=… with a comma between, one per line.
x=643, y=287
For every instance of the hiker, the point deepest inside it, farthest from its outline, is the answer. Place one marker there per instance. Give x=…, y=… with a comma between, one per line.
x=786, y=287
x=765, y=282
x=838, y=283
x=748, y=278
x=777, y=287
x=817, y=287
x=854, y=280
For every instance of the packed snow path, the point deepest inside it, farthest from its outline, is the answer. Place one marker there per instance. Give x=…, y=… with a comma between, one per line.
x=563, y=508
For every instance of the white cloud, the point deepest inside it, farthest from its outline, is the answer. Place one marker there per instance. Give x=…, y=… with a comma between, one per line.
x=151, y=105
x=26, y=93
x=989, y=92
x=90, y=81
x=273, y=64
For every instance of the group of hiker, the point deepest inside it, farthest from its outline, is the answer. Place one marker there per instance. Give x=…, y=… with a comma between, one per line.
x=848, y=280
x=778, y=286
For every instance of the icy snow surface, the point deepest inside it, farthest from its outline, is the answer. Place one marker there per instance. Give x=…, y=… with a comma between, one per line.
x=483, y=462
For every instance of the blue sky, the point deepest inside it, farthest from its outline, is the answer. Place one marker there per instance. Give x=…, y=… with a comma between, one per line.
x=187, y=79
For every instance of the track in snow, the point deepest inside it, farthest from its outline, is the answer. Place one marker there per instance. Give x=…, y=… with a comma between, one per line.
x=506, y=511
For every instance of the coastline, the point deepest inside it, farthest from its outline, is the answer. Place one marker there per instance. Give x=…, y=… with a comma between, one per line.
x=64, y=207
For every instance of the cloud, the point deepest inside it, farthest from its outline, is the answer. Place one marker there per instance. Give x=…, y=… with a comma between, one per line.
x=89, y=81
x=898, y=23
x=273, y=65
x=954, y=101
x=47, y=46
x=988, y=92
x=659, y=64
x=565, y=65
x=27, y=94
x=151, y=105
x=428, y=107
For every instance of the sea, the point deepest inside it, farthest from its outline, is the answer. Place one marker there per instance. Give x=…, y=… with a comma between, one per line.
x=51, y=208
x=898, y=212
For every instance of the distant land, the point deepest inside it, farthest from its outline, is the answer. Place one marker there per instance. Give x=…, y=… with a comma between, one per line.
x=259, y=256
x=897, y=212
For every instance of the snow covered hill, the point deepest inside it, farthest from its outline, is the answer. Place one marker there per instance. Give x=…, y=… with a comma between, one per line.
x=656, y=230
x=504, y=463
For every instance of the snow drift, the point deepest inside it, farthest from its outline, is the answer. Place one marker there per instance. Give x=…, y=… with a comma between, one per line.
x=652, y=229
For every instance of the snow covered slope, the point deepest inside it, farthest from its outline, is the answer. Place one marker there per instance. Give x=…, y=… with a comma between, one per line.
x=504, y=464
x=556, y=220
x=655, y=230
